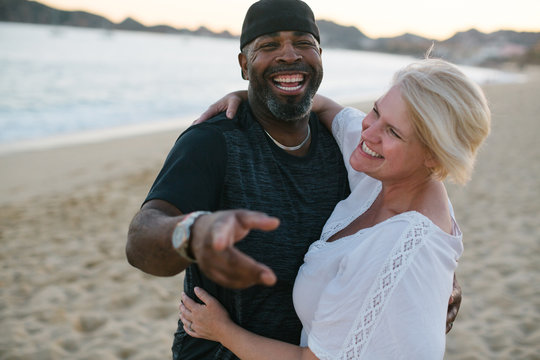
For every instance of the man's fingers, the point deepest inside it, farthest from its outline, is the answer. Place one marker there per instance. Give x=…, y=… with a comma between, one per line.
x=257, y=220
x=452, y=314
x=267, y=277
x=217, y=256
x=237, y=270
x=235, y=226
x=223, y=233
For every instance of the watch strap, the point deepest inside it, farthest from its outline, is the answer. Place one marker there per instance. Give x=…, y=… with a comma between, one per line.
x=182, y=234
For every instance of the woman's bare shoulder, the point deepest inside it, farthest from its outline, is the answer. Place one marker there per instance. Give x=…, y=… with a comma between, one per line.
x=433, y=203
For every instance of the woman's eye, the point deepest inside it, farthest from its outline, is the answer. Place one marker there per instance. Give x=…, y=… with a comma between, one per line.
x=376, y=111
x=394, y=133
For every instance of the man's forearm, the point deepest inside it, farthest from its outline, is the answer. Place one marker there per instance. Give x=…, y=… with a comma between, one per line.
x=149, y=246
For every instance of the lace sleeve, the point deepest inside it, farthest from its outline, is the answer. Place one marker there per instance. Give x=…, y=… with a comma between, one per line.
x=352, y=306
x=347, y=129
x=341, y=125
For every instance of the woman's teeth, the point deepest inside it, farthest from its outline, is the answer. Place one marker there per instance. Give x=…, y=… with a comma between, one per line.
x=370, y=152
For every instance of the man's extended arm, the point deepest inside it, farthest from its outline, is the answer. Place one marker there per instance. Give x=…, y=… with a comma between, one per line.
x=213, y=236
x=149, y=247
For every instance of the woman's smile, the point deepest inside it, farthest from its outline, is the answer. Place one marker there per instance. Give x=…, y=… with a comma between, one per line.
x=370, y=152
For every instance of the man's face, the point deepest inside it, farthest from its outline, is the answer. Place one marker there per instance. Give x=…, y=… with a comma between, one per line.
x=284, y=71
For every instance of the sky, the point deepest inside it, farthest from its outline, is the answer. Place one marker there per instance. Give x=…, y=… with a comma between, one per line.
x=434, y=19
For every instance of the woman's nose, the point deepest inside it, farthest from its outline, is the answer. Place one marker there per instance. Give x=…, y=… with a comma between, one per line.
x=369, y=128
x=368, y=121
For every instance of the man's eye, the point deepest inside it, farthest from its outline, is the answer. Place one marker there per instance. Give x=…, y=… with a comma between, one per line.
x=268, y=45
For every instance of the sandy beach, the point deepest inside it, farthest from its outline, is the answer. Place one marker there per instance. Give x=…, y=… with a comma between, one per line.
x=67, y=291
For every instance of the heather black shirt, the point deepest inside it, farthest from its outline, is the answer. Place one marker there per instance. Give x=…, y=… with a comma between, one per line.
x=230, y=164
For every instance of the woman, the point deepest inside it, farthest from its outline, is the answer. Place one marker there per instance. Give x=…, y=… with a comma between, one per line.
x=376, y=285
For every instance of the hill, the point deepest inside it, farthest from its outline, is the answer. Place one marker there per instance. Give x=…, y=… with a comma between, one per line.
x=470, y=47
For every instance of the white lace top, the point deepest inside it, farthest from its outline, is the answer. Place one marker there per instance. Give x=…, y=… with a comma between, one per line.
x=383, y=292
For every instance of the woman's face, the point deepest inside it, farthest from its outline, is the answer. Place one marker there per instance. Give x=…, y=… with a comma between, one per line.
x=389, y=149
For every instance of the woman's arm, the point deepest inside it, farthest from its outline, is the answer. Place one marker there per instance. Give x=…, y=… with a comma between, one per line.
x=326, y=109
x=210, y=321
x=228, y=103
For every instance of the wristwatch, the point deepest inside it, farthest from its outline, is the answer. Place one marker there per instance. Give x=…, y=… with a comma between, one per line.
x=182, y=234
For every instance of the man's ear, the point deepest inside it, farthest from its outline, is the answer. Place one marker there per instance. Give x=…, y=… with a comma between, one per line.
x=242, y=60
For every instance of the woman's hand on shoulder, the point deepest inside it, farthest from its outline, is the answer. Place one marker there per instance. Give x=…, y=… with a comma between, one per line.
x=228, y=103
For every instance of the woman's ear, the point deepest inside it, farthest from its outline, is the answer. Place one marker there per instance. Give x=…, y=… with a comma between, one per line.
x=430, y=161
x=242, y=60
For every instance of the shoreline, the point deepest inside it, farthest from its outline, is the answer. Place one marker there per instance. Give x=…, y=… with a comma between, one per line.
x=94, y=136
x=509, y=74
x=67, y=291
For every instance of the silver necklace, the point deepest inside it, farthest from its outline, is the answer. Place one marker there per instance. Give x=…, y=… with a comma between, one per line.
x=290, y=148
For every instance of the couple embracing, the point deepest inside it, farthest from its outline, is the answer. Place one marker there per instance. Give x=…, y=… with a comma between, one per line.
x=308, y=230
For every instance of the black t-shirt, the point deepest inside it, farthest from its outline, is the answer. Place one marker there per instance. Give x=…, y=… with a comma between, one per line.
x=230, y=164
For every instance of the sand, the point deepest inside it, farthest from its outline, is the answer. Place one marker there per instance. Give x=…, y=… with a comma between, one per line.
x=67, y=291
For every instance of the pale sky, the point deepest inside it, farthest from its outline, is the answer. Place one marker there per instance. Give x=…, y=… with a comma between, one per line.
x=433, y=19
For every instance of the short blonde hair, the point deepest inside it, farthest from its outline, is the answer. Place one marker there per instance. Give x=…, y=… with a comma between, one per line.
x=449, y=113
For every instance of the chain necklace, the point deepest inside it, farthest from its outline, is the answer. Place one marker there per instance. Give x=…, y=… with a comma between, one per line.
x=290, y=148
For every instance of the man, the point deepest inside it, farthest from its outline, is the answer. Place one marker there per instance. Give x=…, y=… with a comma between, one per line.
x=234, y=164
x=273, y=157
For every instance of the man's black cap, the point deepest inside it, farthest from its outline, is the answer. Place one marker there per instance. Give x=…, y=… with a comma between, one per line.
x=269, y=16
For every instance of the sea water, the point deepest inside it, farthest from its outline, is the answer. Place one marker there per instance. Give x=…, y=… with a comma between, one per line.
x=64, y=80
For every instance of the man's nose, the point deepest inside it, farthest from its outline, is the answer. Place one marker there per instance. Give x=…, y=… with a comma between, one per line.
x=289, y=53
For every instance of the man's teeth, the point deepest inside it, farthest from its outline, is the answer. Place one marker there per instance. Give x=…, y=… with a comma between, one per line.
x=288, y=88
x=289, y=78
x=283, y=80
x=370, y=152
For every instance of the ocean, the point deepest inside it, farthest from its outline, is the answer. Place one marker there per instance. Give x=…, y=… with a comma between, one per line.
x=66, y=81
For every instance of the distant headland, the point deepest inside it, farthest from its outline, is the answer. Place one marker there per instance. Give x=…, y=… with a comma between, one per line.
x=471, y=47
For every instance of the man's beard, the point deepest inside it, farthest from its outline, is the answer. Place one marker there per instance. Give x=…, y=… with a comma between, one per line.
x=291, y=110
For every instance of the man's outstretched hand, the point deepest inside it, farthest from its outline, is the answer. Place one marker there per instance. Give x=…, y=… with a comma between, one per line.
x=212, y=243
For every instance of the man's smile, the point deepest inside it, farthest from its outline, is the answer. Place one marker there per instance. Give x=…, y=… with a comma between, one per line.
x=290, y=82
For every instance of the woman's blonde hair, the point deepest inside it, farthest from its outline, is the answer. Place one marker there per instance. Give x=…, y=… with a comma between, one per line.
x=449, y=113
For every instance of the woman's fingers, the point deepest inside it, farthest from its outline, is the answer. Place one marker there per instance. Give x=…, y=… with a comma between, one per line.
x=205, y=297
x=186, y=314
x=188, y=302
